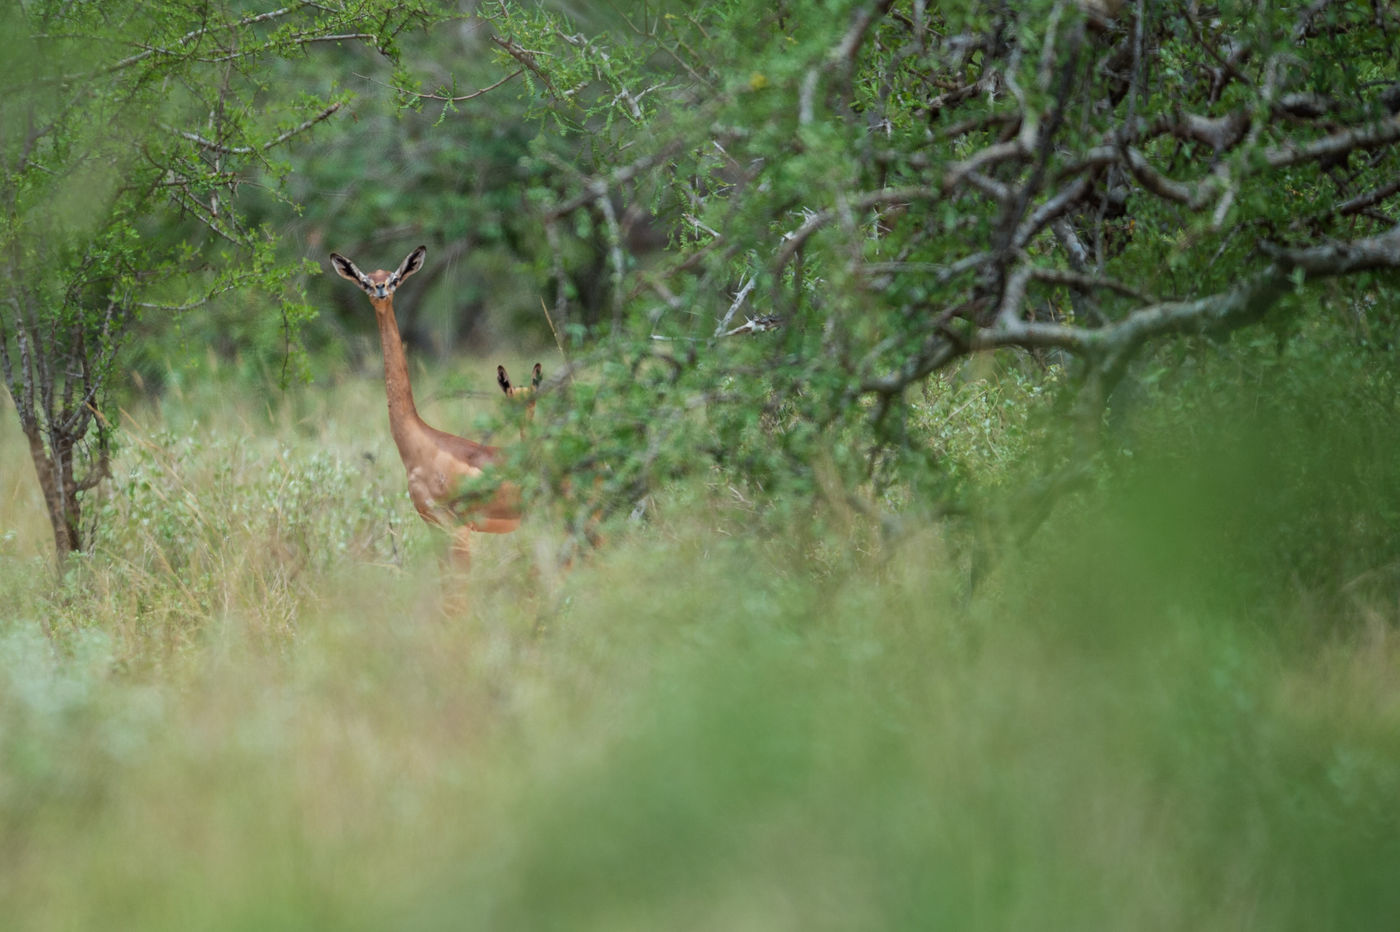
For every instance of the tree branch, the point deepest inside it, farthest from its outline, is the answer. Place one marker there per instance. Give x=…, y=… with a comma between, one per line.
x=270, y=144
x=1370, y=199
x=745, y=287
x=1337, y=144
x=1340, y=258
x=465, y=97
x=1109, y=348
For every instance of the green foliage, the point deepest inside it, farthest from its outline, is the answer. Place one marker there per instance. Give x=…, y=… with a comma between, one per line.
x=125, y=136
x=851, y=170
x=1294, y=482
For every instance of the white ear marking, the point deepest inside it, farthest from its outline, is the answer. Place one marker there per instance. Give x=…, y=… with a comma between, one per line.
x=411, y=264
x=347, y=269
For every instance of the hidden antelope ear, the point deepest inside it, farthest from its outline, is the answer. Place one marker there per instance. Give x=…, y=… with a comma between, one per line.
x=413, y=263
x=502, y=379
x=346, y=269
x=537, y=376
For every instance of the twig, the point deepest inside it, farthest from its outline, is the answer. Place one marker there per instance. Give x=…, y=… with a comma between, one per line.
x=558, y=341
x=755, y=325
x=447, y=99
x=527, y=59
x=249, y=150
x=1370, y=199
x=739, y=298
x=595, y=188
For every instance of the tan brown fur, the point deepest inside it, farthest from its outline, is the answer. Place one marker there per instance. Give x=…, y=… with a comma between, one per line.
x=437, y=463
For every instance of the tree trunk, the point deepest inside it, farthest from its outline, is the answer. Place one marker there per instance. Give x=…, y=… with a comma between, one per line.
x=55, y=474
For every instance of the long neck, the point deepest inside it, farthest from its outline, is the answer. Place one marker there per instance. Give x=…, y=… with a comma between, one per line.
x=403, y=415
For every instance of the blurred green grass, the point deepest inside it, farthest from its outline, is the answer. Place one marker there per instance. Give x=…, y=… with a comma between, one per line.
x=260, y=705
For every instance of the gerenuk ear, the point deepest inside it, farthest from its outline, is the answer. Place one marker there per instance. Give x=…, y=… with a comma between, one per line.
x=413, y=263
x=346, y=269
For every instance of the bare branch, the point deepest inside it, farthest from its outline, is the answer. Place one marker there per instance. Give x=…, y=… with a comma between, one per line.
x=1051, y=210
x=528, y=61
x=1227, y=310
x=941, y=272
x=1220, y=133
x=1074, y=247
x=94, y=374
x=271, y=144
x=1086, y=282
x=999, y=152
x=296, y=39
x=745, y=288
x=760, y=324
x=615, y=256
x=192, y=36
x=861, y=22
x=448, y=99
x=1194, y=196
x=556, y=252
x=793, y=241
x=6, y=367
x=1013, y=296
x=598, y=187
x=1370, y=199
x=581, y=41
x=1337, y=144
x=989, y=186
x=1109, y=348
x=840, y=59
x=1341, y=258
x=939, y=350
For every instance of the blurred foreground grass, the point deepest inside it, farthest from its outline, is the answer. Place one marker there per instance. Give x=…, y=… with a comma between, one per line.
x=259, y=706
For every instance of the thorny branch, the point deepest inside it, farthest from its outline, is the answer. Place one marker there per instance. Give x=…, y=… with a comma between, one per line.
x=272, y=143
x=461, y=98
x=1057, y=189
x=1125, y=163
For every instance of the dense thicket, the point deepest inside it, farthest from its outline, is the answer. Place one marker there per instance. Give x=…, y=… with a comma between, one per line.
x=760, y=233
x=874, y=191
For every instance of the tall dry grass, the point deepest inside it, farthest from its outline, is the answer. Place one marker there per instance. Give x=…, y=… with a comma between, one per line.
x=258, y=705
